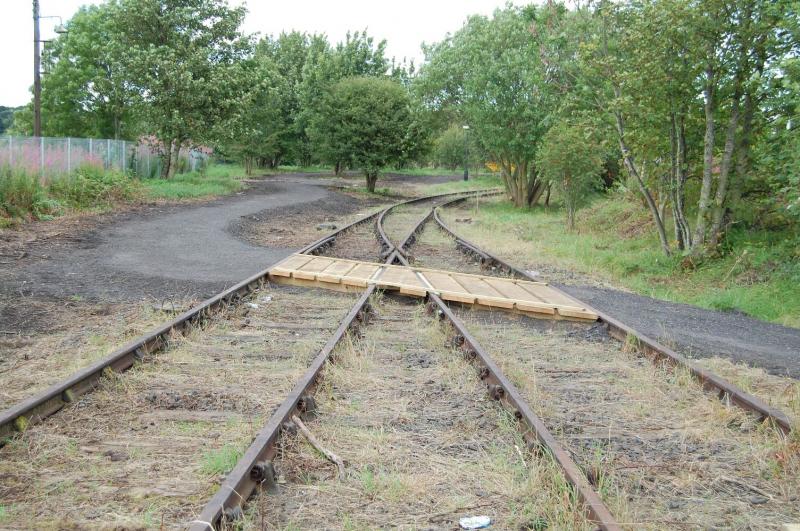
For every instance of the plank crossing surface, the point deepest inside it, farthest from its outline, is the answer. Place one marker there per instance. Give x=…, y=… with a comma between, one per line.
x=535, y=298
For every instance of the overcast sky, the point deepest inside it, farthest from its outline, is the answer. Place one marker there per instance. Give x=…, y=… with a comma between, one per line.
x=405, y=24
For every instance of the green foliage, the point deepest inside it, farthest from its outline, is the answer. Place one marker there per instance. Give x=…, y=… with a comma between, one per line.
x=571, y=158
x=365, y=123
x=92, y=186
x=84, y=92
x=492, y=72
x=22, y=196
x=6, y=118
x=216, y=180
x=180, y=60
x=448, y=149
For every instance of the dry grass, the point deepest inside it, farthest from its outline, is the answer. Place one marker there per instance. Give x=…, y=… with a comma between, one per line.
x=667, y=454
x=514, y=244
x=296, y=229
x=31, y=363
x=150, y=446
x=422, y=444
x=358, y=243
x=399, y=222
x=435, y=249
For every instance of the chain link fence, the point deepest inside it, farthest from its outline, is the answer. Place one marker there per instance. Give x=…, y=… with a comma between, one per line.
x=51, y=158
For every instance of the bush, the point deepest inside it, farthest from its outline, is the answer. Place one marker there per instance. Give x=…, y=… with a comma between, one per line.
x=23, y=196
x=90, y=186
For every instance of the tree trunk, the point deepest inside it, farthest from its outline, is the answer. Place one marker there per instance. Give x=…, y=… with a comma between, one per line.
x=372, y=178
x=337, y=169
x=173, y=165
x=721, y=196
x=166, y=158
x=630, y=165
x=742, y=152
x=547, y=195
x=679, y=174
x=699, y=239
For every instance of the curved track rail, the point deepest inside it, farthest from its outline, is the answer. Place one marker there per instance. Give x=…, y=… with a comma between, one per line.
x=255, y=468
x=49, y=401
x=500, y=388
x=651, y=347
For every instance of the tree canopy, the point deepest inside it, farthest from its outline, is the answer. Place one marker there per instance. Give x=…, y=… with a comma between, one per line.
x=364, y=123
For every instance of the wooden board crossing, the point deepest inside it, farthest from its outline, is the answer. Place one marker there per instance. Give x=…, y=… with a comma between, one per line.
x=533, y=298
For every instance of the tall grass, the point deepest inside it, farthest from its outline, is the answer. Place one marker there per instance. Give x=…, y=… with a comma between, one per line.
x=26, y=196
x=217, y=179
x=615, y=240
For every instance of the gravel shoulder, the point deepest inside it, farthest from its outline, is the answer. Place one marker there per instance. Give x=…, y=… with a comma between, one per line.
x=693, y=331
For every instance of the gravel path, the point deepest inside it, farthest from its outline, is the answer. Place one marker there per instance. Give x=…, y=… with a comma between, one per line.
x=701, y=333
x=180, y=250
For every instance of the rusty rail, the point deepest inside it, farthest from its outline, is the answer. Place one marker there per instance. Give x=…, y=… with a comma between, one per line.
x=647, y=345
x=38, y=407
x=255, y=467
x=500, y=388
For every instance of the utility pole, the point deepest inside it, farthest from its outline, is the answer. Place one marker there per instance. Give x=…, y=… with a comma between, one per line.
x=466, y=152
x=37, y=79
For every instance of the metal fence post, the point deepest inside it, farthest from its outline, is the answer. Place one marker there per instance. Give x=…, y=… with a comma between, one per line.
x=148, y=163
x=108, y=153
x=123, y=168
x=69, y=155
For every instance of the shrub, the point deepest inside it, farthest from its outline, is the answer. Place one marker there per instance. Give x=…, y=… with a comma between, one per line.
x=90, y=186
x=22, y=195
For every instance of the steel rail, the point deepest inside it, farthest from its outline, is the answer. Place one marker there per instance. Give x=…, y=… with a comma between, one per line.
x=500, y=388
x=43, y=404
x=255, y=467
x=647, y=345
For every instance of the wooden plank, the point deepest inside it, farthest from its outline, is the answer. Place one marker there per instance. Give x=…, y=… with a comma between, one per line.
x=334, y=272
x=399, y=276
x=522, y=299
x=310, y=269
x=532, y=298
x=288, y=265
x=360, y=274
x=447, y=288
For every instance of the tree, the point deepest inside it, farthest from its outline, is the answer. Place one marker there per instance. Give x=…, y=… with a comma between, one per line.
x=365, y=123
x=180, y=59
x=357, y=56
x=83, y=91
x=255, y=131
x=672, y=75
x=571, y=158
x=492, y=71
x=448, y=150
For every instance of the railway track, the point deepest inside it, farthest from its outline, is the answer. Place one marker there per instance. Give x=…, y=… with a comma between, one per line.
x=396, y=383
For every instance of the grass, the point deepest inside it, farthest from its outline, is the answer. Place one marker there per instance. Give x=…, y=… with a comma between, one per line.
x=25, y=196
x=614, y=240
x=222, y=460
x=218, y=179
x=474, y=183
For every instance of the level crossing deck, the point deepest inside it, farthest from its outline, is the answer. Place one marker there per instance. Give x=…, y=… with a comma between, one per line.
x=532, y=298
